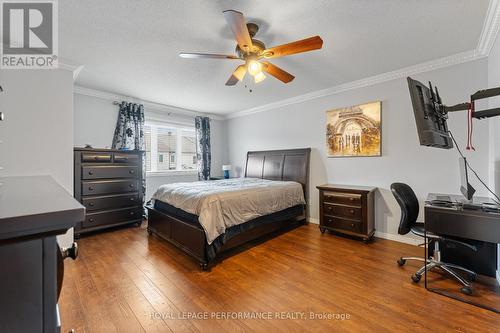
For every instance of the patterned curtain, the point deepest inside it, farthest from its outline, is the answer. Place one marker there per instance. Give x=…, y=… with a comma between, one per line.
x=203, y=150
x=129, y=132
x=129, y=135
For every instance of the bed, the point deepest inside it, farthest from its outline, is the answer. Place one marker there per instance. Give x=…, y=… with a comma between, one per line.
x=188, y=229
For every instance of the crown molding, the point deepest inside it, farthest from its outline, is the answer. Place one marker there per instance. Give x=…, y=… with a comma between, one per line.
x=455, y=59
x=491, y=26
x=490, y=30
x=162, y=108
x=70, y=66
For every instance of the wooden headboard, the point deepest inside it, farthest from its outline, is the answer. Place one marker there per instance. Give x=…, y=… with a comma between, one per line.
x=289, y=164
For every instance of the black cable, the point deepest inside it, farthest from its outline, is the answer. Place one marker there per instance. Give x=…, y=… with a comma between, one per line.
x=497, y=201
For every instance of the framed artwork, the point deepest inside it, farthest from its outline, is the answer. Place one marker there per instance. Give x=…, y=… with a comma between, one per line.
x=354, y=131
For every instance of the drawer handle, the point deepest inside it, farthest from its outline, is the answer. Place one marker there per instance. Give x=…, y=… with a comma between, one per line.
x=91, y=173
x=132, y=199
x=131, y=185
x=132, y=213
x=330, y=220
x=352, y=211
x=352, y=225
x=351, y=198
x=91, y=188
x=131, y=171
x=91, y=219
x=91, y=204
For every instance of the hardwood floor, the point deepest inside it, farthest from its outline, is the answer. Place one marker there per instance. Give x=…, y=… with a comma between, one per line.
x=127, y=281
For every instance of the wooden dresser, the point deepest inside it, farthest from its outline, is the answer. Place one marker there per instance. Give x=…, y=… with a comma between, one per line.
x=347, y=210
x=109, y=184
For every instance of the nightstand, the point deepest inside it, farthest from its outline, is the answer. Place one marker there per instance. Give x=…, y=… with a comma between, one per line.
x=348, y=210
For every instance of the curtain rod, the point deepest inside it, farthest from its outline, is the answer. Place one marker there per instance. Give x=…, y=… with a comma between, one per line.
x=168, y=113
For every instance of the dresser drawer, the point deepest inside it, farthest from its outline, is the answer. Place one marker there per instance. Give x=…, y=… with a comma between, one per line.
x=110, y=202
x=96, y=157
x=342, y=198
x=109, y=171
x=109, y=186
x=343, y=224
x=111, y=217
x=126, y=158
x=342, y=211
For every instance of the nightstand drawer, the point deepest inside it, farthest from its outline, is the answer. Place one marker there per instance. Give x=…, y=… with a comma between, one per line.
x=343, y=224
x=342, y=211
x=342, y=198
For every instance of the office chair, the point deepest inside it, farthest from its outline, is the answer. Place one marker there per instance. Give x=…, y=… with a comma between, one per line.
x=408, y=202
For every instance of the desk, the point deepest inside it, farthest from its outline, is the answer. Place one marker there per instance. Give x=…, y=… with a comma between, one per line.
x=478, y=225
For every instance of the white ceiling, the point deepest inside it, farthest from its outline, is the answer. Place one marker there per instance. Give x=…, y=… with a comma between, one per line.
x=131, y=47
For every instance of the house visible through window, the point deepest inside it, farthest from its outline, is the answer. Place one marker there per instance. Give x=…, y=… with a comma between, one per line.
x=169, y=147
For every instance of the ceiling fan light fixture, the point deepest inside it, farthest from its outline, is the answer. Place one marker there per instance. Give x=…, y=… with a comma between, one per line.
x=254, y=67
x=259, y=77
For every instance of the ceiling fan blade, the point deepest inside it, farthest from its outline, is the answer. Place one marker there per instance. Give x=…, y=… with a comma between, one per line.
x=238, y=75
x=277, y=72
x=206, y=56
x=236, y=22
x=303, y=45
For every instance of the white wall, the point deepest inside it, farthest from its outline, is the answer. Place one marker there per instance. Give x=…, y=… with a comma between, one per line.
x=425, y=169
x=95, y=121
x=494, y=81
x=37, y=133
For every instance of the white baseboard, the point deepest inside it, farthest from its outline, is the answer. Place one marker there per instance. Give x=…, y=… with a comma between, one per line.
x=498, y=276
x=397, y=238
x=313, y=220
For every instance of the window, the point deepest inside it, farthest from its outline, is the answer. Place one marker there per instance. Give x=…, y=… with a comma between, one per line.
x=170, y=148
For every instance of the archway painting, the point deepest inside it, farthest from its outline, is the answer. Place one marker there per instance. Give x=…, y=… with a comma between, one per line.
x=354, y=131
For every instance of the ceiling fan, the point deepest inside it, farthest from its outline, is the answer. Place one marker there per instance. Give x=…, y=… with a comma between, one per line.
x=253, y=51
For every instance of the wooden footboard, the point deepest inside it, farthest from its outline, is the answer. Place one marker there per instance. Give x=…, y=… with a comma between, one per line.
x=184, y=235
x=191, y=239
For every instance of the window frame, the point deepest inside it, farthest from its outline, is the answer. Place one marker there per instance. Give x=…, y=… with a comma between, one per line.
x=178, y=149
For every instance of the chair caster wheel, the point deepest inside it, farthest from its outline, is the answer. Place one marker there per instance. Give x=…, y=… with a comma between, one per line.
x=204, y=266
x=467, y=290
x=149, y=232
x=322, y=230
x=472, y=277
x=416, y=278
x=401, y=262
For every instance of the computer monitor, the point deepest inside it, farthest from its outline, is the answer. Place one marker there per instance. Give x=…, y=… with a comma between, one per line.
x=466, y=188
x=430, y=116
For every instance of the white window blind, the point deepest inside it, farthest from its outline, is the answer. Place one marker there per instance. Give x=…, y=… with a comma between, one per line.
x=169, y=148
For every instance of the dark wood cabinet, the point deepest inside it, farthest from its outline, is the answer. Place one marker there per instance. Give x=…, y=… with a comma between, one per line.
x=347, y=210
x=33, y=211
x=109, y=184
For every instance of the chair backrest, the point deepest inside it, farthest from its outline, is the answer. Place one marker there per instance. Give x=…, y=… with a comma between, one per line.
x=408, y=202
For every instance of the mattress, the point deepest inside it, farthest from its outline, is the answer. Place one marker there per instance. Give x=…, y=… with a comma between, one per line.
x=221, y=204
